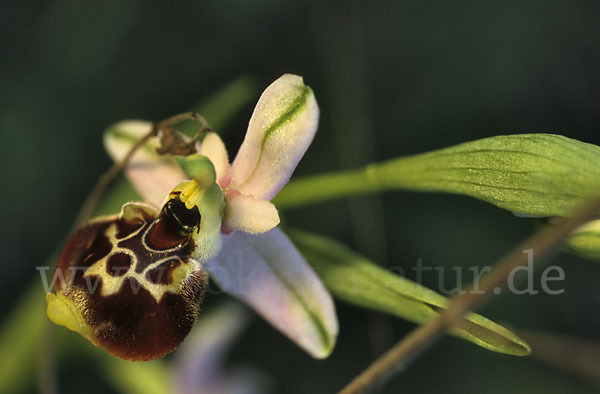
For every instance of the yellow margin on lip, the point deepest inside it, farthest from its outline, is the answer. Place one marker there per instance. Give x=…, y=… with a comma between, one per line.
x=62, y=311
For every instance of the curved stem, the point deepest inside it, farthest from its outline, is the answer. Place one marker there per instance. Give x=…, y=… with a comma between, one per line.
x=399, y=356
x=105, y=180
x=108, y=177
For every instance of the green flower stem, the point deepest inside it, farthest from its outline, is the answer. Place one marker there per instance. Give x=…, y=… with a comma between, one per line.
x=398, y=357
x=324, y=187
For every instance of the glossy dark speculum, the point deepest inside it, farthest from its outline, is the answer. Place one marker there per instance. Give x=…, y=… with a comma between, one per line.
x=186, y=220
x=134, y=281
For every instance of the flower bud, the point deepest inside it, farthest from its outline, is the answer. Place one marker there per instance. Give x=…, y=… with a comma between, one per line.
x=585, y=241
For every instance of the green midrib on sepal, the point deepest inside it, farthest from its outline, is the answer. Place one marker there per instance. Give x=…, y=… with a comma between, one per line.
x=294, y=107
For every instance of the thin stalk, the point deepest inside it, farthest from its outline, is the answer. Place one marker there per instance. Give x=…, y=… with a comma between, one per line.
x=399, y=356
x=325, y=187
x=108, y=177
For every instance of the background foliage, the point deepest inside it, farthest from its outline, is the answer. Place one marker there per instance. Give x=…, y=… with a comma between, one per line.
x=392, y=78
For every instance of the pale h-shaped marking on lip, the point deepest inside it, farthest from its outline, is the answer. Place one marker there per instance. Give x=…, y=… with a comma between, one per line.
x=112, y=284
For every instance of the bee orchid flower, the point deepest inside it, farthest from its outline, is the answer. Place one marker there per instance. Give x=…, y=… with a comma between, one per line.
x=216, y=217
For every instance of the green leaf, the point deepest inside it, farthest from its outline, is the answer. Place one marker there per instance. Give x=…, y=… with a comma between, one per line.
x=530, y=174
x=354, y=279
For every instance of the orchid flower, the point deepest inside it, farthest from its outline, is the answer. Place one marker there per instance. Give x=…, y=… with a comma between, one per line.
x=215, y=217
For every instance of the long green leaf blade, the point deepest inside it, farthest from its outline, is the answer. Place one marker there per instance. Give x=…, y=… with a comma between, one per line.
x=531, y=174
x=352, y=278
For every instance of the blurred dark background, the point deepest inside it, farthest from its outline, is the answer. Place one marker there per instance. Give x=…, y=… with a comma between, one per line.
x=392, y=78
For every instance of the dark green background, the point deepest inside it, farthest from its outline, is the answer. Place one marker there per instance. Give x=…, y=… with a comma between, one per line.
x=392, y=78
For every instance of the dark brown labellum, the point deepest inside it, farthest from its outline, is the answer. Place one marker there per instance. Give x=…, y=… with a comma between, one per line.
x=130, y=281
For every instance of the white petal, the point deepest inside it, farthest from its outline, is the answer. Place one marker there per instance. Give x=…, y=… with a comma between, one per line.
x=282, y=127
x=213, y=148
x=248, y=214
x=152, y=175
x=268, y=273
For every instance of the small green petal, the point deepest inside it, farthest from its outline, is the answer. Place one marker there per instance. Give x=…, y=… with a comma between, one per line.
x=198, y=167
